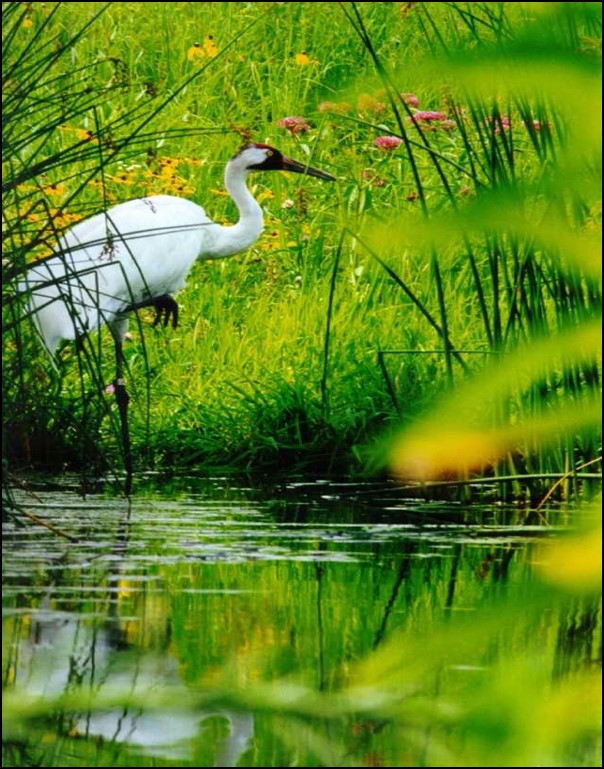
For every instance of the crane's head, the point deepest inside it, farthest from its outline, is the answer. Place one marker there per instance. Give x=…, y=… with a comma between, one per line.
x=261, y=157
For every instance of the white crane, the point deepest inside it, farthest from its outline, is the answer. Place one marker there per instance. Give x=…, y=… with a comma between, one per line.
x=137, y=254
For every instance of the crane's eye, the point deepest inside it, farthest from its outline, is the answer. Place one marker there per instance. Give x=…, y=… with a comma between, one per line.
x=269, y=153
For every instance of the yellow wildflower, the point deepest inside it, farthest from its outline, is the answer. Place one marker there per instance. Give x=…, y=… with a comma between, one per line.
x=195, y=52
x=264, y=195
x=206, y=51
x=303, y=59
x=270, y=240
x=61, y=220
x=183, y=188
x=55, y=189
x=123, y=177
x=209, y=46
x=83, y=133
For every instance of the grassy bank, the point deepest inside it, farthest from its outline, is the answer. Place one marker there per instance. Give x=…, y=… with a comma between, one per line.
x=464, y=223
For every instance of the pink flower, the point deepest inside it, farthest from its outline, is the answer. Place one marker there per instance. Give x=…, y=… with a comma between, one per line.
x=410, y=98
x=503, y=122
x=387, y=142
x=428, y=115
x=432, y=121
x=537, y=125
x=295, y=125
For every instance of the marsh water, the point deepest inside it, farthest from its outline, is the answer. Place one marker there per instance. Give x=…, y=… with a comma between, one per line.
x=215, y=586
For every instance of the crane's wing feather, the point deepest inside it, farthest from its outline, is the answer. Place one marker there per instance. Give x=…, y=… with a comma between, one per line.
x=135, y=251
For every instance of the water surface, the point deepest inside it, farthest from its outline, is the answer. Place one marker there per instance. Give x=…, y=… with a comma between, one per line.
x=206, y=583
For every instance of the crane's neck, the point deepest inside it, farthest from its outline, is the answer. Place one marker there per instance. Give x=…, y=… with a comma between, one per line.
x=232, y=239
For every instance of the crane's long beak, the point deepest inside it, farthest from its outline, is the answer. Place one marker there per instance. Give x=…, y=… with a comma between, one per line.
x=300, y=168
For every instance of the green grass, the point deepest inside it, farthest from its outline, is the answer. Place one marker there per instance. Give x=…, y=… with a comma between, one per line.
x=349, y=315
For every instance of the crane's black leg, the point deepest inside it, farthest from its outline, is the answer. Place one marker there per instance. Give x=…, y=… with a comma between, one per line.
x=166, y=309
x=123, y=399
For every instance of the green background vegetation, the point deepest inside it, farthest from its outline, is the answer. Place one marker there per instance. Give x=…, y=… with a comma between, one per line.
x=477, y=233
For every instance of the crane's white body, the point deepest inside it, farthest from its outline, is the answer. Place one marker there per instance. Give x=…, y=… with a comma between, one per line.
x=140, y=250
x=136, y=254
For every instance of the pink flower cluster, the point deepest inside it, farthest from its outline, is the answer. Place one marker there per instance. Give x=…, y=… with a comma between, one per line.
x=410, y=98
x=502, y=123
x=295, y=125
x=431, y=120
x=387, y=143
x=537, y=125
x=505, y=123
x=428, y=115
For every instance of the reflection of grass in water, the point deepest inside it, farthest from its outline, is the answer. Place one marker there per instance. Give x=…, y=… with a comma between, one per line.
x=413, y=653
x=458, y=696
